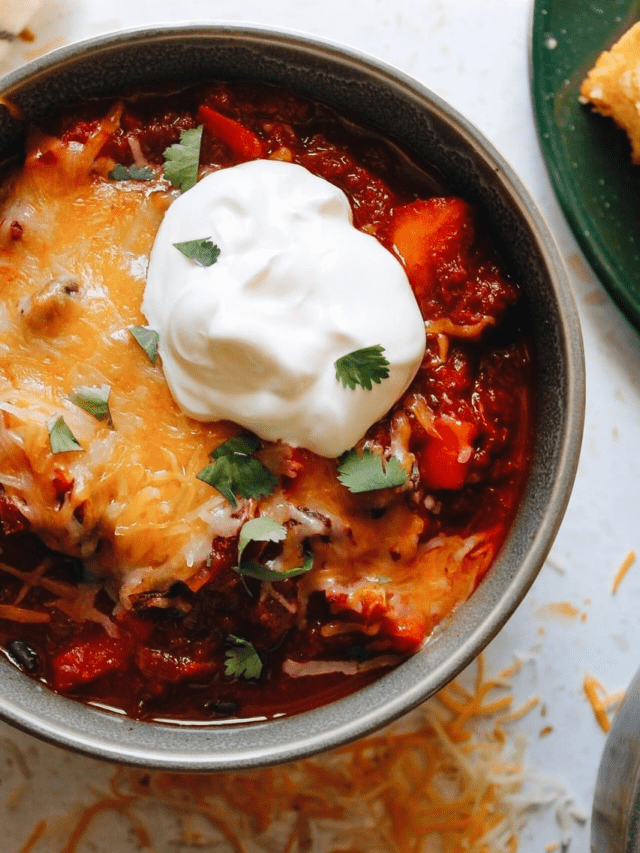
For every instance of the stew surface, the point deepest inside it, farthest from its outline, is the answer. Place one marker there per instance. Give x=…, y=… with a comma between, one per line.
x=119, y=581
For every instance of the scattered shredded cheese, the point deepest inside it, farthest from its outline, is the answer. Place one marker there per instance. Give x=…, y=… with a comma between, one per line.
x=446, y=778
x=39, y=830
x=601, y=701
x=628, y=561
x=520, y=712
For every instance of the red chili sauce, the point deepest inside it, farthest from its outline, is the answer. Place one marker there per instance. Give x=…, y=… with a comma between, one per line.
x=476, y=377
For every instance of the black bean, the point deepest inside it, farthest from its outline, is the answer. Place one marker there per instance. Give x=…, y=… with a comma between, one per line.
x=23, y=656
x=224, y=709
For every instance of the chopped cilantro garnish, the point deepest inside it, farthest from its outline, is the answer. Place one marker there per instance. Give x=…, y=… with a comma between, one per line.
x=265, y=529
x=182, y=159
x=253, y=570
x=93, y=400
x=148, y=340
x=261, y=529
x=131, y=173
x=362, y=367
x=235, y=472
x=242, y=660
x=203, y=252
x=369, y=472
x=61, y=438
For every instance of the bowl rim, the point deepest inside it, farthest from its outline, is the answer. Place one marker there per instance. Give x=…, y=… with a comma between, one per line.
x=210, y=747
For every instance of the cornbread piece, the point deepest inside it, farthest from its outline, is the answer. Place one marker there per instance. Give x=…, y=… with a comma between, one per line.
x=613, y=86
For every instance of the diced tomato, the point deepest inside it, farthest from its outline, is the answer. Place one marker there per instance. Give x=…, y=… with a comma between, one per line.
x=165, y=667
x=47, y=158
x=87, y=660
x=62, y=483
x=445, y=459
x=223, y=555
x=408, y=633
x=138, y=628
x=298, y=462
x=432, y=237
x=243, y=142
x=11, y=519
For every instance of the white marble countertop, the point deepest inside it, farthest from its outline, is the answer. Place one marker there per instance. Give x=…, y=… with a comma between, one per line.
x=475, y=55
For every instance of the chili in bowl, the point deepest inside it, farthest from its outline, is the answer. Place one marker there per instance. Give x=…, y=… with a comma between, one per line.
x=291, y=396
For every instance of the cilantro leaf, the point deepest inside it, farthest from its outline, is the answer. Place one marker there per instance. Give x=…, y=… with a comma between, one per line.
x=265, y=529
x=261, y=529
x=148, y=340
x=203, y=252
x=241, y=444
x=182, y=159
x=253, y=570
x=368, y=472
x=242, y=660
x=131, y=173
x=362, y=367
x=235, y=472
x=94, y=400
x=61, y=438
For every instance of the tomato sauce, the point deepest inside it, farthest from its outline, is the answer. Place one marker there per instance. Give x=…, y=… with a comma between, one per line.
x=468, y=415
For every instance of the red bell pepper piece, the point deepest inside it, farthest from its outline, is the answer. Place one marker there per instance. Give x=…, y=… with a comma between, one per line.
x=244, y=143
x=171, y=669
x=87, y=660
x=408, y=632
x=445, y=460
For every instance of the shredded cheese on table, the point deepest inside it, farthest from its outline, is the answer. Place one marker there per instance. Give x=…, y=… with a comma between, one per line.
x=628, y=561
x=447, y=778
x=601, y=701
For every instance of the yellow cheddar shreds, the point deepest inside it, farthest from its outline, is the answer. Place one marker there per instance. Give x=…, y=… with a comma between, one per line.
x=445, y=778
x=39, y=830
x=520, y=712
x=628, y=561
x=601, y=701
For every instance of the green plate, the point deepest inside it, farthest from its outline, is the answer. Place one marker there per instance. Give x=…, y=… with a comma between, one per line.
x=588, y=157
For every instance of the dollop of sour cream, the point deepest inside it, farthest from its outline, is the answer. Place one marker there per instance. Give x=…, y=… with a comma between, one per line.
x=254, y=337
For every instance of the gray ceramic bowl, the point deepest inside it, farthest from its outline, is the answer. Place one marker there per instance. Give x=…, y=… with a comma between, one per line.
x=372, y=93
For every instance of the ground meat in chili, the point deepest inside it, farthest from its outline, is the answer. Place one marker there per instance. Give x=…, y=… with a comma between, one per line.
x=465, y=421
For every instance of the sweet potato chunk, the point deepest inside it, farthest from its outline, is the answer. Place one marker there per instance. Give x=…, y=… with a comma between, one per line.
x=433, y=238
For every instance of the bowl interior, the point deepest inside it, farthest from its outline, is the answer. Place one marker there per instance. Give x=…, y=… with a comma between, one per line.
x=374, y=94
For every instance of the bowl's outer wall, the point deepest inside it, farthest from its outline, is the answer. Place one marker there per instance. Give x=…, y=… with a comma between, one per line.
x=374, y=94
x=615, y=820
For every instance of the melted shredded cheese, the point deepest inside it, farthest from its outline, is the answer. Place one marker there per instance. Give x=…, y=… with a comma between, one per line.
x=129, y=504
x=133, y=507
